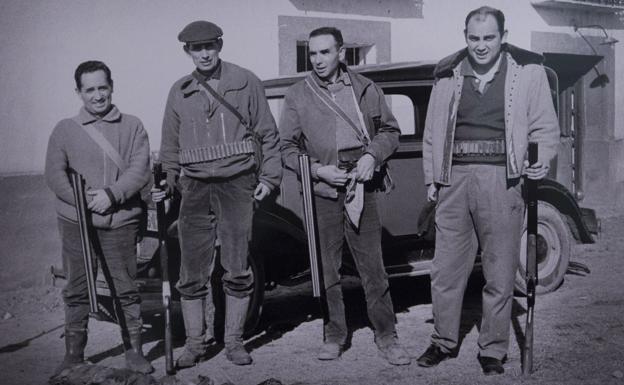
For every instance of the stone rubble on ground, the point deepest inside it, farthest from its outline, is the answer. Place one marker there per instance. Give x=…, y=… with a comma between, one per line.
x=90, y=374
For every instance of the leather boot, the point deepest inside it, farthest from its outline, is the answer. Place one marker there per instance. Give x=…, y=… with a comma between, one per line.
x=194, y=324
x=135, y=360
x=235, y=315
x=75, y=342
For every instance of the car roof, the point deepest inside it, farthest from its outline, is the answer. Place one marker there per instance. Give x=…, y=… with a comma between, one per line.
x=383, y=74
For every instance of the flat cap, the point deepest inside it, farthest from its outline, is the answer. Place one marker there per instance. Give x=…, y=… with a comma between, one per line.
x=200, y=31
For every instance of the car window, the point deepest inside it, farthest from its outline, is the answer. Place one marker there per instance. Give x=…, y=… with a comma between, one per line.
x=275, y=104
x=409, y=106
x=403, y=110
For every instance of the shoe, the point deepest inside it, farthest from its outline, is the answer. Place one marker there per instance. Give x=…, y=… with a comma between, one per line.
x=75, y=342
x=329, y=351
x=395, y=354
x=432, y=356
x=235, y=315
x=237, y=354
x=187, y=359
x=491, y=366
x=198, y=326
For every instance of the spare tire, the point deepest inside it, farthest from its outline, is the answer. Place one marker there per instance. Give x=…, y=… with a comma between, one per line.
x=554, y=245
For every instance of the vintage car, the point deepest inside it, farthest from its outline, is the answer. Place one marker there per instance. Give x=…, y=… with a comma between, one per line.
x=408, y=232
x=279, y=253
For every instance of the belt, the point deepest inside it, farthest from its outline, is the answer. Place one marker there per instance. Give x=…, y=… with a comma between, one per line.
x=220, y=151
x=478, y=147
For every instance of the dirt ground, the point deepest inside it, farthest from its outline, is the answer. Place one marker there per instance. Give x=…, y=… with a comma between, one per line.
x=579, y=333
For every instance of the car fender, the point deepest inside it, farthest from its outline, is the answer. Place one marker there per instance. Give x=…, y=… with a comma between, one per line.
x=558, y=196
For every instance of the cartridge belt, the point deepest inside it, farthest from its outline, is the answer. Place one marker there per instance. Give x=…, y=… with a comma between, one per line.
x=220, y=151
x=478, y=147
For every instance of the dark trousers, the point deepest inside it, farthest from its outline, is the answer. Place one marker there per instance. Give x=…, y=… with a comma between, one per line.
x=116, y=249
x=477, y=208
x=365, y=246
x=212, y=209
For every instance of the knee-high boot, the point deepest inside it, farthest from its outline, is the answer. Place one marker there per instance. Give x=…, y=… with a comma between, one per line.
x=194, y=326
x=235, y=315
x=134, y=352
x=75, y=342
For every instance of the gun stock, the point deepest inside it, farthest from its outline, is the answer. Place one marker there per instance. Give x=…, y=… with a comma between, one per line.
x=78, y=187
x=164, y=269
x=531, y=263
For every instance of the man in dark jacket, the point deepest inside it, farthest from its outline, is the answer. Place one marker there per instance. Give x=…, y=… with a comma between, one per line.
x=340, y=119
x=217, y=121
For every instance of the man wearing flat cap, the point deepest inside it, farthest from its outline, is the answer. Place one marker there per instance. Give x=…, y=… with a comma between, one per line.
x=220, y=150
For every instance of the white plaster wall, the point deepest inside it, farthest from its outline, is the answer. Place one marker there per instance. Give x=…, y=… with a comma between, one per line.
x=618, y=131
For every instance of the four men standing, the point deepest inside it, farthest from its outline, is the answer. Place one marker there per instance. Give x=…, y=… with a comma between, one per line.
x=220, y=150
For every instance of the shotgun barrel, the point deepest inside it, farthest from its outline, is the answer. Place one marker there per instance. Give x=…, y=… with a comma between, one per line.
x=78, y=186
x=310, y=223
x=164, y=269
x=531, y=263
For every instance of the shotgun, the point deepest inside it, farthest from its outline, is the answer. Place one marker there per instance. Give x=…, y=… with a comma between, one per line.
x=310, y=224
x=78, y=186
x=164, y=269
x=531, y=263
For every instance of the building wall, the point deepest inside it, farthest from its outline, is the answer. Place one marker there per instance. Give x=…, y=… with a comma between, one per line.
x=358, y=32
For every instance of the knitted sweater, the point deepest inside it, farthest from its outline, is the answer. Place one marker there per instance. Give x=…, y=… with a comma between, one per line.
x=71, y=147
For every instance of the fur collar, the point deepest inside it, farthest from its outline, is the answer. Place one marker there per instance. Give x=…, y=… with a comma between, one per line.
x=521, y=56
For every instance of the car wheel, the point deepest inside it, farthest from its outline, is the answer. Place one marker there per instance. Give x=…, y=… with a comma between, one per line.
x=554, y=245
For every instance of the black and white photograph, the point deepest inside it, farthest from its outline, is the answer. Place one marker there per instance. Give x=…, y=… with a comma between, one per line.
x=311, y=192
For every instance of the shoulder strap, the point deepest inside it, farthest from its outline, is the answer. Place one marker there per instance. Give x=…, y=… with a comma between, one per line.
x=104, y=144
x=337, y=110
x=220, y=99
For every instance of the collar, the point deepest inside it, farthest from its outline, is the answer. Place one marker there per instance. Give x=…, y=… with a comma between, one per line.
x=85, y=117
x=465, y=68
x=231, y=77
x=521, y=56
x=343, y=77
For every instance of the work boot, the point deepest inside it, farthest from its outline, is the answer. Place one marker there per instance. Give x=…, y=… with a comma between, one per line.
x=135, y=360
x=235, y=315
x=491, y=366
x=395, y=354
x=195, y=345
x=75, y=342
x=433, y=356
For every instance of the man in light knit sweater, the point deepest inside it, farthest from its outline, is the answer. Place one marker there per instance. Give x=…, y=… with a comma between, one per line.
x=114, y=206
x=488, y=101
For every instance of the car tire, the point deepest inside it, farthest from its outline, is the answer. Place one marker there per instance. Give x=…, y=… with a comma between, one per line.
x=554, y=245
